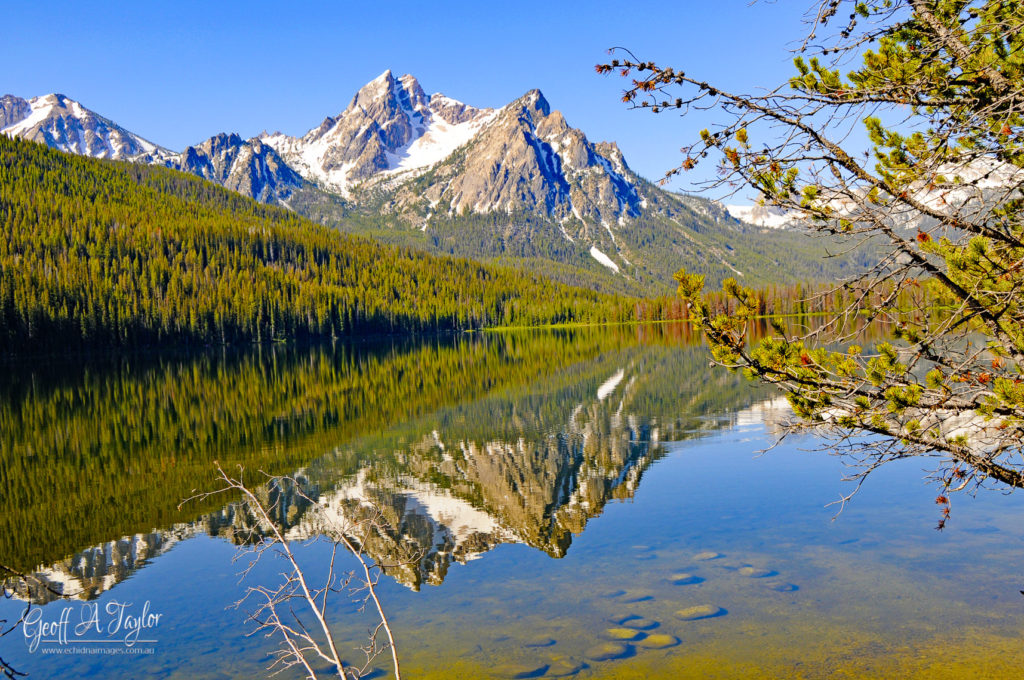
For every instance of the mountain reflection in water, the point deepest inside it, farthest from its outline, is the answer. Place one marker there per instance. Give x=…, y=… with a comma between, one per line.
x=513, y=448
x=463, y=444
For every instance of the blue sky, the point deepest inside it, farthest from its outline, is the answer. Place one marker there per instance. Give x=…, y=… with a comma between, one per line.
x=179, y=72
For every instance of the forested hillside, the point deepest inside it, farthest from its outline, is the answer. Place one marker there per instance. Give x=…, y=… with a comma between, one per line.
x=515, y=187
x=117, y=254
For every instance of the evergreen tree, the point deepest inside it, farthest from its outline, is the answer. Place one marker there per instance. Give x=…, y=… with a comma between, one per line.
x=939, y=88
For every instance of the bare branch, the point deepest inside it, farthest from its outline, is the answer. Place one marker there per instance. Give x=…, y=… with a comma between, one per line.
x=280, y=611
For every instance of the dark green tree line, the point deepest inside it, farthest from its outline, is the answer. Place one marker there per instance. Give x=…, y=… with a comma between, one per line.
x=97, y=253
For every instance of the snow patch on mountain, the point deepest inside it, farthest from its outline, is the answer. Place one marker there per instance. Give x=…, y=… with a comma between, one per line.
x=967, y=188
x=767, y=217
x=438, y=141
x=42, y=108
x=596, y=253
x=308, y=159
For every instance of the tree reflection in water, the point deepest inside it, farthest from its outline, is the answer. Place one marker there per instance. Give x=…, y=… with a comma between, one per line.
x=464, y=443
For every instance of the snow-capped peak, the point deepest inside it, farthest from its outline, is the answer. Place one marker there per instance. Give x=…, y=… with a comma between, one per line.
x=383, y=86
x=382, y=80
x=63, y=123
x=390, y=126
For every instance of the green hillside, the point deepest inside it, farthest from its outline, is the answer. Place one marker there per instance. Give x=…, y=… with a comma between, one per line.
x=674, y=231
x=117, y=254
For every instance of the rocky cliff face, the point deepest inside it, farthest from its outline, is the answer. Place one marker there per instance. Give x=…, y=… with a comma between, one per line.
x=249, y=167
x=527, y=158
x=13, y=110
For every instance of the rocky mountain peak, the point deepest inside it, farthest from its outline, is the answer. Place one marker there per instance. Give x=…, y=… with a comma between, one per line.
x=391, y=125
x=247, y=166
x=316, y=132
x=412, y=94
x=611, y=151
x=530, y=159
x=381, y=88
x=13, y=110
x=386, y=96
x=63, y=123
x=453, y=111
x=223, y=140
x=533, y=103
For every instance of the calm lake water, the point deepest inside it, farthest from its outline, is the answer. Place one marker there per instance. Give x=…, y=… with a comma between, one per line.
x=550, y=502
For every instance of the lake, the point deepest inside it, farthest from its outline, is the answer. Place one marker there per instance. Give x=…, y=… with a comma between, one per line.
x=584, y=503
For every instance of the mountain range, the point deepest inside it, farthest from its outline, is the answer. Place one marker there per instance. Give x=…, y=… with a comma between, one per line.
x=516, y=184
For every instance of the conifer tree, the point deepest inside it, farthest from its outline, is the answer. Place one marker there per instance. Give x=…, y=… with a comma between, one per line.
x=937, y=89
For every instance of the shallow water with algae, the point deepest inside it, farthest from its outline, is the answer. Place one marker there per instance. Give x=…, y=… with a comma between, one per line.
x=585, y=503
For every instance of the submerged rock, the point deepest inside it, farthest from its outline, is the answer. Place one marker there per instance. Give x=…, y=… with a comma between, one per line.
x=606, y=651
x=644, y=552
x=564, y=668
x=636, y=622
x=685, y=579
x=756, y=572
x=701, y=611
x=658, y=641
x=623, y=634
x=783, y=587
x=634, y=596
x=707, y=555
